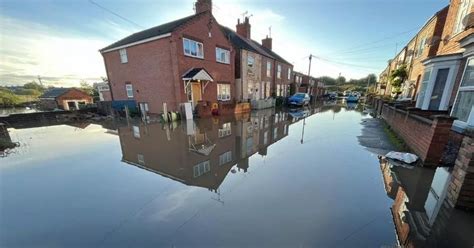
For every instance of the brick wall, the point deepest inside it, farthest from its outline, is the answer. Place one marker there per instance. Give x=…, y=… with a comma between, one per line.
x=461, y=186
x=427, y=138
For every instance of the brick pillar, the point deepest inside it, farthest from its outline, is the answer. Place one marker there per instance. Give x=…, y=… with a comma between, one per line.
x=461, y=187
x=440, y=130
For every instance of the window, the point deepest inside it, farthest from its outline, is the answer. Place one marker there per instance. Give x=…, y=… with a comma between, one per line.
x=225, y=158
x=222, y=55
x=279, y=71
x=285, y=130
x=136, y=132
x=289, y=73
x=225, y=130
x=141, y=159
x=278, y=93
x=421, y=47
x=250, y=61
x=123, y=56
x=103, y=88
x=265, y=138
x=464, y=104
x=223, y=92
x=129, y=89
x=275, y=133
x=463, y=11
x=201, y=168
x=269, y=69
x=193, y=48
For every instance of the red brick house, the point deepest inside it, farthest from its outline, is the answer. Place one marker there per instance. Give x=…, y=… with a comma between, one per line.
x=64, y=98
x=187, y=60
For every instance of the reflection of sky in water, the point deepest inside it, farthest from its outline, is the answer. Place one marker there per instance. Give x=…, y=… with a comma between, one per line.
x=324, y=192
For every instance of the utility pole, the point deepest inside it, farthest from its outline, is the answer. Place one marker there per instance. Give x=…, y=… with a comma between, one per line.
x=309, y=72
x=39, y=79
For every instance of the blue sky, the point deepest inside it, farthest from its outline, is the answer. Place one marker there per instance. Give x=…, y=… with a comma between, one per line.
x=59, y=40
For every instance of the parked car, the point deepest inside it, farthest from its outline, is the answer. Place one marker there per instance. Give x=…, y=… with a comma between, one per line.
x=299, y=99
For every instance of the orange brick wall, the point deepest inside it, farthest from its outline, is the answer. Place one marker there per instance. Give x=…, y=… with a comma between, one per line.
x=450, y=43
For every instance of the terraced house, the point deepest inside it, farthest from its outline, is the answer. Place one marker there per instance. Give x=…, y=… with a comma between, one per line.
x=187, y=60
x=439, y=125
x=260, y=74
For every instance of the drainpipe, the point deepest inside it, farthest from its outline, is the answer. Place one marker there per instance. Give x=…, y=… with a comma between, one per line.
x=411, y=68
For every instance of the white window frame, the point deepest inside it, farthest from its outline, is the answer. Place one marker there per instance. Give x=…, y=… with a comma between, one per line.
x=289, y=73
x=201, y=168
x=470, y=118
x=279, y=71
x=278, y=93
x=275, y=133
x=463, y=10
x=222, y=52
x=136, y=131
x=225, y=130
x=250, y=61
x=123, y=56
x=141, y=159
x=129, y=90
x=421, y=47
x=269, y=69
x=225, y=158
x=197, y=45
x=225, y=95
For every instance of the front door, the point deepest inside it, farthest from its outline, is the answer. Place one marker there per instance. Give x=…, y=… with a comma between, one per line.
x=196, y=93
x=438, y=89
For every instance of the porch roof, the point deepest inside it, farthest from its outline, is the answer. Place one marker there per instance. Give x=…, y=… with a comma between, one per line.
x=197, y=74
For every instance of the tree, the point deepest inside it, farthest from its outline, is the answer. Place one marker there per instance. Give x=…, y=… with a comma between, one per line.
x=399, y=76
x=341, y=80
x=89, y=89
x=34, y=86
x=328, y=80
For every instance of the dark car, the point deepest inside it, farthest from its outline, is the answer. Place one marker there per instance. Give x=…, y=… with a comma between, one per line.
x=299, y=99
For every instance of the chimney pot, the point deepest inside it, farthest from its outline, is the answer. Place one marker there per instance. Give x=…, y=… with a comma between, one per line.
x=203, y=6
x=244, y=28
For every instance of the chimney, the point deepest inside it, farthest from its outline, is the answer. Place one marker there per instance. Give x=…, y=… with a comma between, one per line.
x=203, y=6
x=267, y=43
x=243, y=29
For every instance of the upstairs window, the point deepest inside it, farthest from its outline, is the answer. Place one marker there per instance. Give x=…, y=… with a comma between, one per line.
x=421, y=47
x=193, y=48
x=225, y=130
x=289, y=73
x=123, y=56
x=250, y=61
x=269, y=69
x=201, y=168
x=463, y=11
x=279, y=71
x=129, y=89
x=225, y=158
x=222, y=55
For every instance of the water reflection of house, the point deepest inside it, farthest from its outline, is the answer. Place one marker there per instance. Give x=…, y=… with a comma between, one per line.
x=201, y=153
x=421, y=213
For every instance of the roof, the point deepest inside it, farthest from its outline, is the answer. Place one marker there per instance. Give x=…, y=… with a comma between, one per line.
x=152, y=32
x=250, y=45
x=197, y=74
x=54, y=92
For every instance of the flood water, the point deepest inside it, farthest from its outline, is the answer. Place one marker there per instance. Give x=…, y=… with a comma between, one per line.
x=265, y=179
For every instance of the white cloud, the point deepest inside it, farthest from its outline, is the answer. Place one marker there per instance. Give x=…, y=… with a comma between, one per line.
x=30, y=49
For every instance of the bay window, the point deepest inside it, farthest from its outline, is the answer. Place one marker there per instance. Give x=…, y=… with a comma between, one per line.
x=223, y=92
x=193, y=48
x=222, y=55
x=464, y=104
